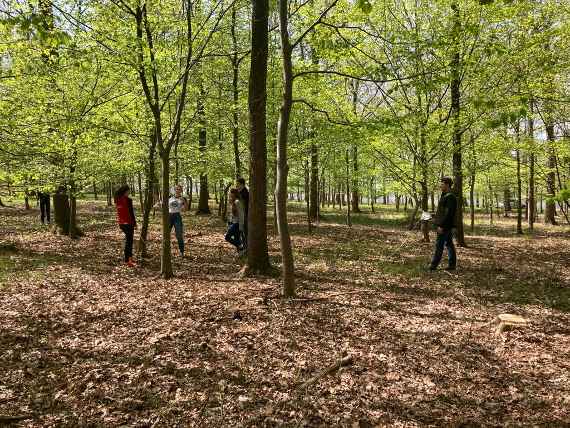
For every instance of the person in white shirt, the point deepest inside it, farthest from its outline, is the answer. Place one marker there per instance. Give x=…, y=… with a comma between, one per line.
x=177, y=204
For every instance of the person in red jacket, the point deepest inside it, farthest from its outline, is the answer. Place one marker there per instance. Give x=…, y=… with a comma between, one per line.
x=127, y=221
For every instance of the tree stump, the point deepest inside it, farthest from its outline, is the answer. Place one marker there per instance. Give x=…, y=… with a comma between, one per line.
x=508, y=322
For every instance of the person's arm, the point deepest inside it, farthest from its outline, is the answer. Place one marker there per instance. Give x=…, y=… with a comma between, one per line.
x=132, y=212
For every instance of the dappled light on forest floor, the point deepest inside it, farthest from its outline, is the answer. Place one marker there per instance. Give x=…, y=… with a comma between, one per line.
x=85, y=341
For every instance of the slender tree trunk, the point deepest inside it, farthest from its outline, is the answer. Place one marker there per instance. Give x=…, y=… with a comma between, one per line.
x=258, y=254
x=235, y=93
x=348, y=217
x=282, y=166
x=550, y=212
x=455, y=107
x=307, y=202
x=204, y=197
x=149, y=196
x=109, y=187
x=519, y=193
x=472, y=200
x=314, y=182
x=166, y=255
x=95, y=195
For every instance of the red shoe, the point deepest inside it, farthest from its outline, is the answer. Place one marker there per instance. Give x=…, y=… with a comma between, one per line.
x=131, y=263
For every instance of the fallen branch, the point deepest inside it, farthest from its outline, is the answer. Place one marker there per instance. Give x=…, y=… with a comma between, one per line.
x=313, y=299
x=6, y=419
x=346, y=361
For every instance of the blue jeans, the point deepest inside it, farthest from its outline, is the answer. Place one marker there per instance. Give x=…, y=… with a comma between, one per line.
x=444, y=239
x=233, y=235
x=176, y=222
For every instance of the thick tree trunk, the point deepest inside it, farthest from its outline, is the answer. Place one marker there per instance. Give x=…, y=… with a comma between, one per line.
x=282, y=166
x=258, y=254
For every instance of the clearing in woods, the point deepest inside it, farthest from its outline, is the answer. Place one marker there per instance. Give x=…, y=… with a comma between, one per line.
x=87, y=341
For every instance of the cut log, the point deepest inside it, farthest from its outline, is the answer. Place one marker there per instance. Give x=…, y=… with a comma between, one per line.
x=346, y=361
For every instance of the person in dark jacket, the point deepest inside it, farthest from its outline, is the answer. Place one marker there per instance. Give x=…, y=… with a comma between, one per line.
x=445, y=222
x=45, y=209
x=127, y=221
x=244, y=200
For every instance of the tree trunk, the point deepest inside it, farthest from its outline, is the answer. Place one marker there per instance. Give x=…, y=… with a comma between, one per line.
x=109, y=194
x=472, y=200
x=149, y=197
x=519, y=191
x=348, y=218
x=550, y=212
x=307, y=203
x=455, y=108
x=314, y=182
x=235, y=93
x=282, y=166
x=258, y=254
x=204, y=197
x=166, y=254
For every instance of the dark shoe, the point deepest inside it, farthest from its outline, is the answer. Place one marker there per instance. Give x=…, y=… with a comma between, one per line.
x=431, y=268
x=450, y=268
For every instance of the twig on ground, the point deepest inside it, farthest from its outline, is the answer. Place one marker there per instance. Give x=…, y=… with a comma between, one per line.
x=313, y=299
x=346, y=361
x=6, y=419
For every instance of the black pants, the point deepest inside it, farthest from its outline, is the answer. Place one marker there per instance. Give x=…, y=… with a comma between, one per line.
x=45, y=208
x=129, y=231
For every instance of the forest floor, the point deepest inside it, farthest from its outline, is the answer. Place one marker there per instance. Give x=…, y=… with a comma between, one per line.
x=85, y=341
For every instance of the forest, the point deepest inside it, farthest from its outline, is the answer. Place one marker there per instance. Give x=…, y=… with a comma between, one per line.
x=284, y=213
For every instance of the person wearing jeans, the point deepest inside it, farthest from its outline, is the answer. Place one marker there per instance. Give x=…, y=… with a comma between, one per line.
x=127, y=221
x=177, y=204
x=236, y=222
x=445, y=222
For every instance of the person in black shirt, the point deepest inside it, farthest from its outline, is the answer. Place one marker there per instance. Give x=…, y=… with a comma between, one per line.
x=44, y=199
x=244, y=199
x=445, y=222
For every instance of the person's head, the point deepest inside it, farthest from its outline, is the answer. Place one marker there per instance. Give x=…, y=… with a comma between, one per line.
x=122, y=191
x=234, y=195
x=178, y=190
x=446, y=183
x=240, y=182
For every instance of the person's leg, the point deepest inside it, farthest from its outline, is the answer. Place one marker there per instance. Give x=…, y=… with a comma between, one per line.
x=125, y=229
x=438, y=252
x=451, y=251
x=129, y=243
x=179, y=232
x=232, y=235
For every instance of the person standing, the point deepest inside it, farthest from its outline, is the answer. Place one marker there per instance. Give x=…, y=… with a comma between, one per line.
x=45, y=208
x=127, y=221
x=177, y=204
x=244, y=201
x=236, y=220
x=445, y=222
